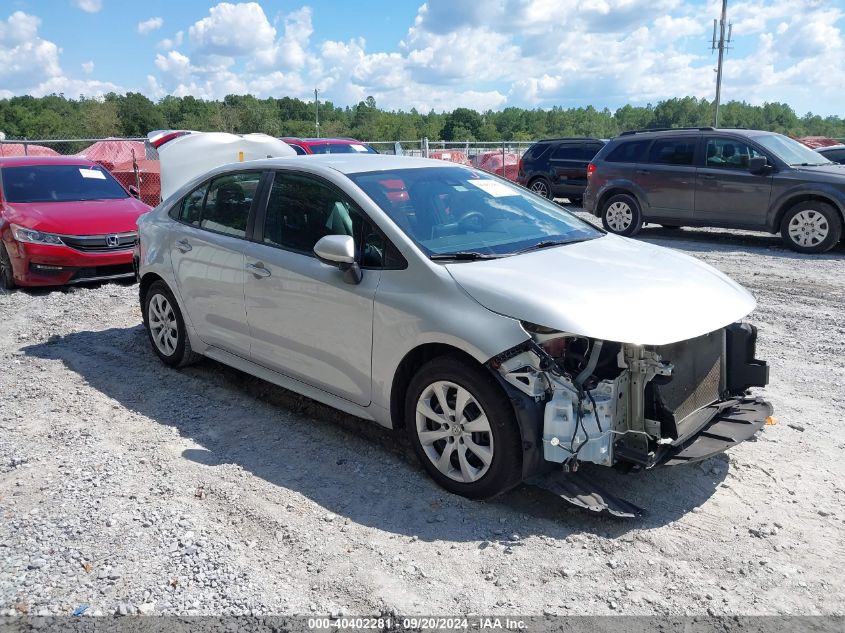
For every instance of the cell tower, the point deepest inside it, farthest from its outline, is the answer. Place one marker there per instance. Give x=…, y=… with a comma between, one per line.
x=722, y=44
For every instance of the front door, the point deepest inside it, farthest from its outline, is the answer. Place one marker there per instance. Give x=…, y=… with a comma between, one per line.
x=208, y=260
x=726, y=193
x=305, y=320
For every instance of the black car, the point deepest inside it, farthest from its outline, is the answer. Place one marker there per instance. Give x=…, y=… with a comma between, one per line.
x=834, y=153
x=744, y=179
x=557, y=167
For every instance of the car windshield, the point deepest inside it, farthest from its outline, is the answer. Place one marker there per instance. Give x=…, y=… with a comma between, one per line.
x=790, y=151
x=469, y=214
x=341, y=148
x=59, y=183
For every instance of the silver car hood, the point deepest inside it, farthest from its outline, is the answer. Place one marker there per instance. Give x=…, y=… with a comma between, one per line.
x=609, y=288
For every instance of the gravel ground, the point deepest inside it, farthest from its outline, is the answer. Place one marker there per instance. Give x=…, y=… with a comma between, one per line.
x=132, y=488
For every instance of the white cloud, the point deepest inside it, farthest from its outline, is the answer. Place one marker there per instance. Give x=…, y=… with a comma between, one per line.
x=234, y=30
x=89, y=6
x=29, y=64
x=147, y=26
x=171, y=43
x=88, y=67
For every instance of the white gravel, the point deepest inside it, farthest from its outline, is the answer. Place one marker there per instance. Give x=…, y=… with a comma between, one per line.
x=132, y=488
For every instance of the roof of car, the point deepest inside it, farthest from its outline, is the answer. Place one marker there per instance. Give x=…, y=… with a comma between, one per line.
x=329, y=141
x=24, y=161
x=353, y=163
x=689, y=130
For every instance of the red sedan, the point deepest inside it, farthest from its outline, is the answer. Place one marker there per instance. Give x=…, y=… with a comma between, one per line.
x=64, y=220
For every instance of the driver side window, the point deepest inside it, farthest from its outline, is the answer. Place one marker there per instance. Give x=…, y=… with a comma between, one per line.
x=301, y=210
x=729, y=153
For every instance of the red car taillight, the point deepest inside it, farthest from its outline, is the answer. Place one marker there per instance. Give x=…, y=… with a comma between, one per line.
x=590, y=169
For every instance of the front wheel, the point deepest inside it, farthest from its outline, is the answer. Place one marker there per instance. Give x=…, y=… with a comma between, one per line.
x=166, y=327
x=463, y=429
x=7, y=275
x=621, y=214
x=811, y=227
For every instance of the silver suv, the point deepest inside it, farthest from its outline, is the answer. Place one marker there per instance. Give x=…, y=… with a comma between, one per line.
x=504, y=335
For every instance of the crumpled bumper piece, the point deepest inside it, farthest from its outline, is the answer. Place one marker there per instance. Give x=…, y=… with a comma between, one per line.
x=735, y=423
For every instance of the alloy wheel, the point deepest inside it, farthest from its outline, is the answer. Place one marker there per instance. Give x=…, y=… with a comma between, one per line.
x=539, y=187
x=454, y=431
x=619, y=216
x=163, y=325
x=808, y=228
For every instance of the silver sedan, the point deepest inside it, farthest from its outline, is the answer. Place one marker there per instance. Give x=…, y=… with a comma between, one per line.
x=504, y=335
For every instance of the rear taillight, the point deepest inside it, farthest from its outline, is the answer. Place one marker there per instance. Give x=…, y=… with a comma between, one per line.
x=590, y=169
x=169, y=136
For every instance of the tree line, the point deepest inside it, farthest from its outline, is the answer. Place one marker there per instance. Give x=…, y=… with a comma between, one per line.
x=133, y=114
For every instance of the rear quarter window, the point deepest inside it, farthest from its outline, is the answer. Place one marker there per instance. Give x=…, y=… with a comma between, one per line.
x=535, y=151
x=628, y=152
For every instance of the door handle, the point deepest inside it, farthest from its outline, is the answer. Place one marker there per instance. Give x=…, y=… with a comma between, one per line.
x=183, y=245
x=643, y=172
x=707, y=176
x=258, y=270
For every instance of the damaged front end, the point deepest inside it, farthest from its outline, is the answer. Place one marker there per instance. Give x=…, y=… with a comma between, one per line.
x=636, y=406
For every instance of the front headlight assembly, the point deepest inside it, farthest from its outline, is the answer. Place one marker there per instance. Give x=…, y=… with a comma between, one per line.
x=35, y=237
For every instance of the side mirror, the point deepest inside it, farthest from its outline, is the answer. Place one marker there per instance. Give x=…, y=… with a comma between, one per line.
x=133, y=191
x=759, y=165
x=339, y=251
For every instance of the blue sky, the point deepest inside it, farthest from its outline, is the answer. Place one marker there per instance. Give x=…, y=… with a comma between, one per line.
x=442, y=54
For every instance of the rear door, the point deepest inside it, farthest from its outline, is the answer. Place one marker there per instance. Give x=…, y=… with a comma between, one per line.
x=568, y=167
x=305, y=320
x=667, y=178
x=208, y=259
x=727, y=194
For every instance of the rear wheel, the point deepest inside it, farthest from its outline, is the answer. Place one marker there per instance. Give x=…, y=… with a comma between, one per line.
x=811, y=227
x=7, y=275
x=166, y=327
x=621, y=215
x=463, y=429
x=541, y=186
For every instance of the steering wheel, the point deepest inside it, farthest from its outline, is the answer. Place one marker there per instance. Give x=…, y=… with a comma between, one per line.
x=472, y=221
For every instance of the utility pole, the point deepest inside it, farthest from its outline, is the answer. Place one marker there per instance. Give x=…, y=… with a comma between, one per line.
x=722, y=44
x=316, y=113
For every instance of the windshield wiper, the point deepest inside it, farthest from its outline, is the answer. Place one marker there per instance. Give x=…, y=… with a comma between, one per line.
x=462, y=256
x=809, y=164
x=550, y=243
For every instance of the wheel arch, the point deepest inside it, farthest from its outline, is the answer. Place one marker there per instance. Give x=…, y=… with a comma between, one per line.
x=143, y=287
x=788, y=202
x=528, y=413
x=408, y=367
x=614, y=190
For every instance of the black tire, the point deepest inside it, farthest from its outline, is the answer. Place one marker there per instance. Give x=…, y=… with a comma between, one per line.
x=811, y=227
x=541, y=186
x=504, y=470
x=619, y=207
x=7, y=275
x=181, y=353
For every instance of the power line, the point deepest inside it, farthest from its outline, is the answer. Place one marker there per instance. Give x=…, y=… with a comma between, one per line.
x=722, y=45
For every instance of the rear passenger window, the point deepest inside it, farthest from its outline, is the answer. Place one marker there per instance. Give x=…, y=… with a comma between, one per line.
x=629, y=152
x=672, y=152
x=228, y=202
x=567, y=152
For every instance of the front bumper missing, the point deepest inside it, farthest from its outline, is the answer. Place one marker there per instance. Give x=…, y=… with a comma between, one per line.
x=737, y=421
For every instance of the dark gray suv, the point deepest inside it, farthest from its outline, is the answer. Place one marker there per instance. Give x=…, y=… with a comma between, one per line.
x=743, y=179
